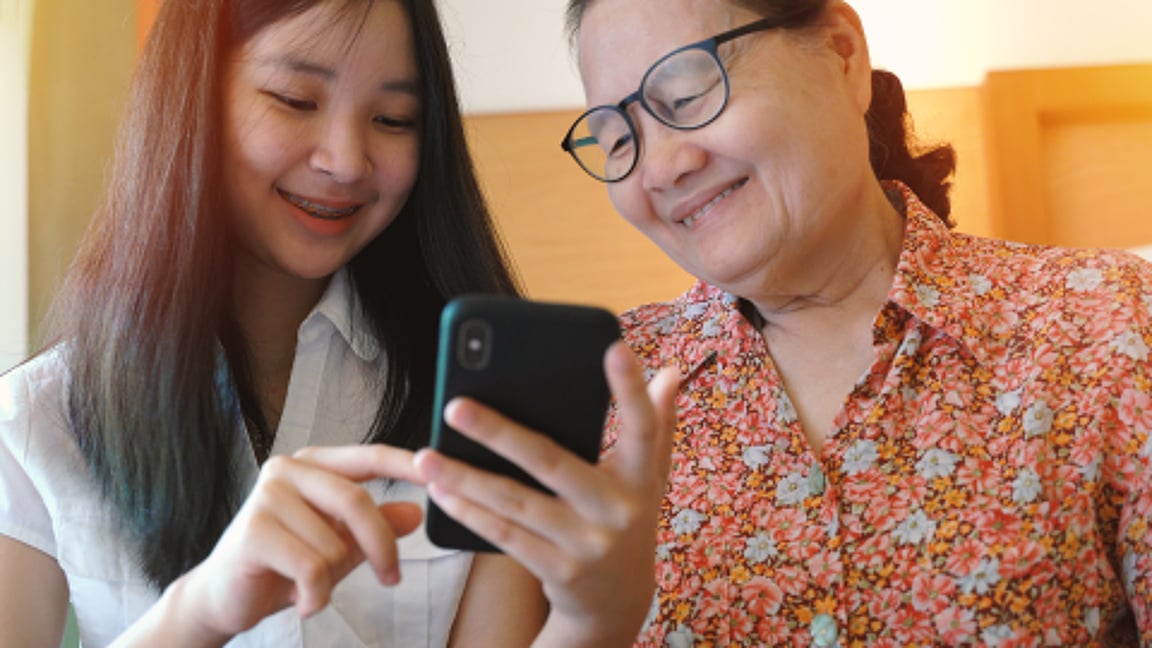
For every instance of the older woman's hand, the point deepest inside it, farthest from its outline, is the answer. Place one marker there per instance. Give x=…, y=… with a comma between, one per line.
x=591, y=544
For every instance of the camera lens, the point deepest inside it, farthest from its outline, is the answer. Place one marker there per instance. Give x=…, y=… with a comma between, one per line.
x=474, y=344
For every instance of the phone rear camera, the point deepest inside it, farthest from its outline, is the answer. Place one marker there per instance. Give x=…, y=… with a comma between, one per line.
x=474, y=344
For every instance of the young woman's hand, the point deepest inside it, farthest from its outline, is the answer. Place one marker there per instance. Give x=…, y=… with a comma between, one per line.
x=306, y=525
x=592, y=544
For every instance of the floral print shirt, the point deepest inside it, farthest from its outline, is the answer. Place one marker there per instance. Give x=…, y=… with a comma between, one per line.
x=988, y=480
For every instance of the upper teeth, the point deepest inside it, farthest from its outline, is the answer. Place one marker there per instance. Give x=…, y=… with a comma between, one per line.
x=711, y=203
x=318, y=210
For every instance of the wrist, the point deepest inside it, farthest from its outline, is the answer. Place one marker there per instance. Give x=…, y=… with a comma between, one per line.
x=562, y=632
x=169, y=622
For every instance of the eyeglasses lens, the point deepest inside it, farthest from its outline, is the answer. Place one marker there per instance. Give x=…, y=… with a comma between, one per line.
x=685, y=90
x=603, y=143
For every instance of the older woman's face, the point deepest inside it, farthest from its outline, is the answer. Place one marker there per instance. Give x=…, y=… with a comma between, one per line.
x=757, y=195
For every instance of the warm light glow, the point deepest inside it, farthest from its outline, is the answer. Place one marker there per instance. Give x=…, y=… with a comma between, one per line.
x=145, y=16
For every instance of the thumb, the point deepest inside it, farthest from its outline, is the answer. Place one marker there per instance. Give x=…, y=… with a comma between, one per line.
x=662, y=390
x=646, y=415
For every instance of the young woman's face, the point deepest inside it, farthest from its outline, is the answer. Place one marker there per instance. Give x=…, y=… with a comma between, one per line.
x=322, y=135
x=756, y=197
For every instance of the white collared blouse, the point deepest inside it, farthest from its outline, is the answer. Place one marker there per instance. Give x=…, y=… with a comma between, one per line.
x=49, y=501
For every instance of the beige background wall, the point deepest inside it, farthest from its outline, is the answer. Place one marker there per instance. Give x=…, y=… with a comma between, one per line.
x=512, y=56
x=82, y=55
x=15, y=30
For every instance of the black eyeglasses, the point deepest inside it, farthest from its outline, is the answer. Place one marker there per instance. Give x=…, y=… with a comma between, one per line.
x=686, y=89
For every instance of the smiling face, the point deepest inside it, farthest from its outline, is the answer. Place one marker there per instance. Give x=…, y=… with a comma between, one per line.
x=322, y=140
x=757, y=199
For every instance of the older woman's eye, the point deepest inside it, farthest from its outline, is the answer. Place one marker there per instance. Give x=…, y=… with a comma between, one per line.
x=621, y=146
x=682, y=103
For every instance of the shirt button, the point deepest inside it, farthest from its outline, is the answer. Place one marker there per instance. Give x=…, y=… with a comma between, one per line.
x=824, y=631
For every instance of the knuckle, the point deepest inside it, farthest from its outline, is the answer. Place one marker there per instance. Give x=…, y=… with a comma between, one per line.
x=270, y=495
x=598, y=544
x=567, y=571
x=313, y=573
x=275, y=468
x=548, y=454
x=305, y=454
x=622, y=513
x=515, y=503
x=353, y=498
x=336, y=554
x=501, y=534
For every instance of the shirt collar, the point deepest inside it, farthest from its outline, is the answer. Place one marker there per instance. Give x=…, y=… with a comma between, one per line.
x=340, y=306
x=938, y=280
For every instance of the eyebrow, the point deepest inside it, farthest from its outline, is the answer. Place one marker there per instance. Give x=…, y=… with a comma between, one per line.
x=302, y=66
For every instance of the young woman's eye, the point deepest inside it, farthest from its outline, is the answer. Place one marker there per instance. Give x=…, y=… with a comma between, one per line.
x=292, y=102
x=396, y=123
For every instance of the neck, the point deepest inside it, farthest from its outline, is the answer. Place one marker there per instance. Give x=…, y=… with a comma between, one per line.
x=848, y=283
x=269, y=308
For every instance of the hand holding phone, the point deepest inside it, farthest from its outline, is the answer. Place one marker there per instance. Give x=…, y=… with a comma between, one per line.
x=597, y=522
x=539, y=364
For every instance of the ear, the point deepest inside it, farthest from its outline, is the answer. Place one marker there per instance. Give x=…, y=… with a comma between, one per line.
x=846, y=32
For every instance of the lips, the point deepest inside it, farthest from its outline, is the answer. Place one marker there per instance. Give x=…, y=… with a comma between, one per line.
x=318, y=210
x=707, y=207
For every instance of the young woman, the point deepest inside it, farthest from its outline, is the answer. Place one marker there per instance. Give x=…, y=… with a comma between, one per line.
x=897, y=435
x=291, y=204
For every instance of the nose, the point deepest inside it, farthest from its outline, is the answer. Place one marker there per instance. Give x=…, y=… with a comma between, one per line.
x=341, y=152
x=667, y=155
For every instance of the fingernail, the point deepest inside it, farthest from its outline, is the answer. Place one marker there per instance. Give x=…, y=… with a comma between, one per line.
x=458, y=414
x=391, y=576
x=427, y=463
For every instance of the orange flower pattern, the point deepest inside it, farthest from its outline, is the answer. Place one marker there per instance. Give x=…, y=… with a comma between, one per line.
x=988, y=481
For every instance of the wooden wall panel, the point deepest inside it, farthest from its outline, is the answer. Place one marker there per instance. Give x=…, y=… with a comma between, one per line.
x=1096, y=180
x=955, y=116
x=563, y=233
x=1051, y=131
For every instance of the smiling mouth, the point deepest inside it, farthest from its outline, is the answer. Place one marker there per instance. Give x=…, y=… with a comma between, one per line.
x=691, y=220
x=317, y=210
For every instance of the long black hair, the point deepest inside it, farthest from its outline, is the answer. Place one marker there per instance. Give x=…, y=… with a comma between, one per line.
x=893, y=149
x=158, y=385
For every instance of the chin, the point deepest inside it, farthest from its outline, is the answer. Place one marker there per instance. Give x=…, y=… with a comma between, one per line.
x=312, y=272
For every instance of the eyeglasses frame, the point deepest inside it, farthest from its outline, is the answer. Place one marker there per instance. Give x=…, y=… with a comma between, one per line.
x=711, y=46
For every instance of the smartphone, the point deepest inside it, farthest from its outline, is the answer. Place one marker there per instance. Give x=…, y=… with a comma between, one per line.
x=540, y=364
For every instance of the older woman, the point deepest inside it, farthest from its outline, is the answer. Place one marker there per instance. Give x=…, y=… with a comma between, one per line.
x=897, y=434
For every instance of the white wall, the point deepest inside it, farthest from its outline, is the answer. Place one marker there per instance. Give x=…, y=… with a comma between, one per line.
x=511, y=55
x=15, y=25
x=948, y=43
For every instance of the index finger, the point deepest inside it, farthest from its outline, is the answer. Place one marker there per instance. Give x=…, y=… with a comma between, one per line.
x=361, y=463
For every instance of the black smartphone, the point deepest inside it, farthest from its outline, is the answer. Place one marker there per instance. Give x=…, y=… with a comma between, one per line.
x=540, y=364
